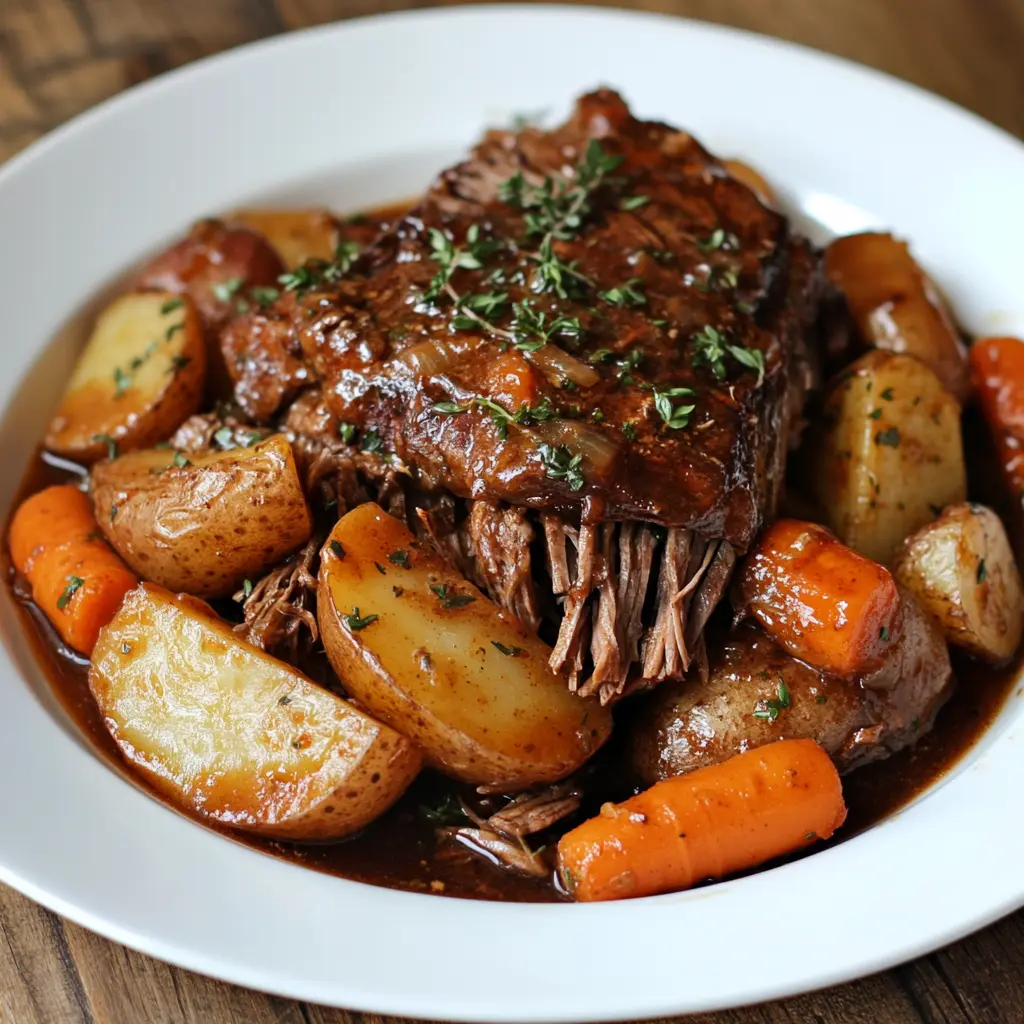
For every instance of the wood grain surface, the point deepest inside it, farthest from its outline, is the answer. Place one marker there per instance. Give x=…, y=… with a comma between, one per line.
x=58, y=57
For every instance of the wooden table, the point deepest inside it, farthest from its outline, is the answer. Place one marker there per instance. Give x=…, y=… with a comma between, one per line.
x=59, y=56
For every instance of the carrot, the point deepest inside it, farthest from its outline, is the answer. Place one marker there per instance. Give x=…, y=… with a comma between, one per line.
x=997, y=366
x=511, y=381
x=822, y=601
x=77, y=580
x=712, y=822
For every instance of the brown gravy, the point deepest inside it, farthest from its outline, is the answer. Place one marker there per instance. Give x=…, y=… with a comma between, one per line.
x=400, y=850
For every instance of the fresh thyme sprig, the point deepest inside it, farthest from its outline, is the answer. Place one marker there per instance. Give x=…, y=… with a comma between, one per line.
x=524, y=416
x=711, y=347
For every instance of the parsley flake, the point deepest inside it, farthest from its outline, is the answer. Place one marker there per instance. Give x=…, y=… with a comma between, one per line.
x=74, y=582
x=449, y=599
x=356, y=622
x=509, y=652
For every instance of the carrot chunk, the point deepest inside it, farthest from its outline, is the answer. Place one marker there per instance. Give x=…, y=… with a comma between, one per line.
x=77, y=580
x=712, y=822
x=997, y=366
x=822, y=601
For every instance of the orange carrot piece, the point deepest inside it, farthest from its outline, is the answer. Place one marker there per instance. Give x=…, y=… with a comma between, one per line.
x=822, y=601
x=77, y=580
x=997, y=366
x=511, y=381
x=712, y=822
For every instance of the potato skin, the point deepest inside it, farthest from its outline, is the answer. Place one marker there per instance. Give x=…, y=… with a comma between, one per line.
x=229, y=733
x=208, y=523
x=140, y=375
x=689, y=724
x=962, y=570
x=211, y=258
x=295, y=235
x=896, y=307
x=889, y=455
x=429, y=665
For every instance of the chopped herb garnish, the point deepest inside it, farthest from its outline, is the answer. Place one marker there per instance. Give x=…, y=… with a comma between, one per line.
x=558, y=209
x=890, y=437
x=629, y=430
x=173, y=329
x=449, y=257
x=264, y=295
x=399, y=558
x=675, y=417
x=601, y=355
x=180, y=460
x=347, y=432
x=449, y=599
x=109, y=442
x=122, y=382
x=531, y=328
x=718, y=239
x=381, y=569
x=225, y=438
x=771, y=707
x=624, y=295
x=179, y=363
x=74, y=582
x=633, y=202
x=446, y=811
x=372, y=442
x=875, y=414
x=883, y=633
x=337, y=550
x=356, y=622
x=225, y=290
x=597, y=415
x=822, y=699
x=171, y=305
x=711, y=347
x=509, y=652
x=448, y=408
x=886, y=394
x=982, y=571
x=246, y=588
x=560, y=464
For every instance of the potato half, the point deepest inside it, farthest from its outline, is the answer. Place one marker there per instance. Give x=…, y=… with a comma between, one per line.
x=295, y=235
x=228, y=732
x=203, y=523
x=141, y=374
x=961, y=568
x=890, y=455
x=430, y=655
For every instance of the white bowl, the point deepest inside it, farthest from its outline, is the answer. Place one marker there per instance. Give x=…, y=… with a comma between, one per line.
x=368, y=111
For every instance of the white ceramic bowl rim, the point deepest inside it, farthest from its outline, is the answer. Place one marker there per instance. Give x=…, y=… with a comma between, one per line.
x=854, y=148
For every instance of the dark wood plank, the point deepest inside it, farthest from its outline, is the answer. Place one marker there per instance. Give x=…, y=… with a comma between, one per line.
x=60, y=56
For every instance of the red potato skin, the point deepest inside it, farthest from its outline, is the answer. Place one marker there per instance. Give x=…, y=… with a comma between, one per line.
x=213, y=254
x=820, y=600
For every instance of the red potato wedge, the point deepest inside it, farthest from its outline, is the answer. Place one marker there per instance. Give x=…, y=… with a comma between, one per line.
x=230, y=733
x=140, y=375
x=430, y=655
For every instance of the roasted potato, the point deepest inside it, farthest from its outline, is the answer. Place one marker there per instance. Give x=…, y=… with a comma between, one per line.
x=896, y=307
x=141, y=374
x=962, y=569
x=890, y=455
x=427, y=653
x=230, y=733
x=295, y=235
x=225, y=271
x=756, y=693
x=203, y=523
